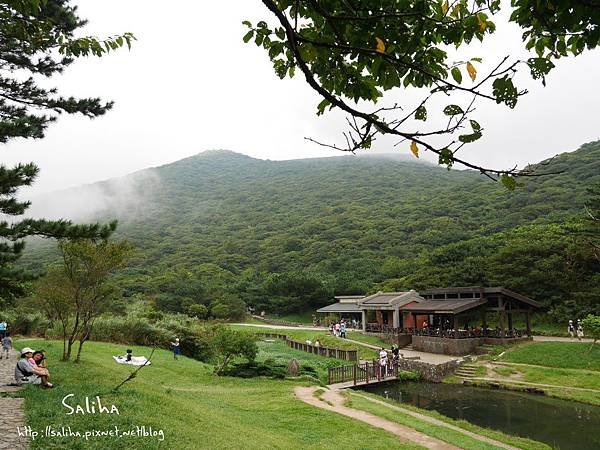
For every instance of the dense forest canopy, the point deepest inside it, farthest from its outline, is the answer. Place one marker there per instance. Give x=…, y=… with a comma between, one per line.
x=221, y=228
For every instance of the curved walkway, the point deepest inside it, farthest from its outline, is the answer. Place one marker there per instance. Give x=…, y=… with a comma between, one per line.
x=333, y=401
x=12, y=408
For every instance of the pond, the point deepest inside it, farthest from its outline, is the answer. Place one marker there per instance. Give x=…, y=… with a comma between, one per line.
x=562, y=424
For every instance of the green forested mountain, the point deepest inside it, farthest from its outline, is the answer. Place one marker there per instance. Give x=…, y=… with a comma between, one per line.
x=284, y=235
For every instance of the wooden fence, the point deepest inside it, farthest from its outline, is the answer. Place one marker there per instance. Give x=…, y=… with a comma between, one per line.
x=367, y=372
x=337, y=353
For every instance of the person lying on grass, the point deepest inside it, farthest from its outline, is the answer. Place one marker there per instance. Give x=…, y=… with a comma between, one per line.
x=27, y=372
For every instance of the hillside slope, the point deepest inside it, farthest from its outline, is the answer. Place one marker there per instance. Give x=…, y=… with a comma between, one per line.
x=338, y=216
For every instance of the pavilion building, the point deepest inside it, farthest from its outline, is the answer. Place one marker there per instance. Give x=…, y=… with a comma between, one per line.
x=451, y=320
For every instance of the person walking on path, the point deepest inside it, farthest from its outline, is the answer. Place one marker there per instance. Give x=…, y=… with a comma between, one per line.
x=571, y=329
x=579, y=329
x=176, y=348
x=7, y=345
x=343, y=330
x=3, y=328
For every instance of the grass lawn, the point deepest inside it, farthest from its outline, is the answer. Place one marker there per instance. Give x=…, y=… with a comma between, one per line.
x=445, y=434
x=571, y=355
x=194, y=408
x=326, y=339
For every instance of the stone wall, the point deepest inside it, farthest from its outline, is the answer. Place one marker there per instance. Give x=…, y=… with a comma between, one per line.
x=429, y=372
x=444, y=346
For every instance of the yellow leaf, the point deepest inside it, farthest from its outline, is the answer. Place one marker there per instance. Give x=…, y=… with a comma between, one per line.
x=482, y=23
x=414, y=149
x=472, y=71
x=380, y=45
x=445, y=7
x=456, y=10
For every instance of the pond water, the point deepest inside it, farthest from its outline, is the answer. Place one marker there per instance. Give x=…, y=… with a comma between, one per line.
x=562, y=424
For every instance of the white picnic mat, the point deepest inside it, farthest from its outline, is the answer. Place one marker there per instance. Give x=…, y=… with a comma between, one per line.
x=135, y=360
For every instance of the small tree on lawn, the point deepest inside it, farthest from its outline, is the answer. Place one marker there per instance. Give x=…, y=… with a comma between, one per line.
x=591, y=327
x=78, y=290
x=228, y=343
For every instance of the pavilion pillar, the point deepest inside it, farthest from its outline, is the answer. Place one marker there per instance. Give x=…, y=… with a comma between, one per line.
x=396, y=318
x=484, y=318
x=455, y=322
x=502, y=324
x=414, y=323
x=528, y=321
x=502, y=306
x=510, y=321
x=364, y=320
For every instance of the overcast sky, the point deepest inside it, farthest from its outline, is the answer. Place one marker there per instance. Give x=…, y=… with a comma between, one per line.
x=190, y=84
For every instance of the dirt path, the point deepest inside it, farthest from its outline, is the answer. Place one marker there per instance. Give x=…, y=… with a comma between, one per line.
x=333, y=401
x=558, y=339
x=11, y=408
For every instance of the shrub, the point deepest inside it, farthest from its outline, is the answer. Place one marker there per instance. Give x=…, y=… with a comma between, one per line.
x=407, y=375
x=197, y=310
x=228, y=344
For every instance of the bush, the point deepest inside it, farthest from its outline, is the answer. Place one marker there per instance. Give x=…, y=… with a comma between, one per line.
x=268, y=368
x=220, y=311
x=197, y=310
x=407, y=375
x=26, y=323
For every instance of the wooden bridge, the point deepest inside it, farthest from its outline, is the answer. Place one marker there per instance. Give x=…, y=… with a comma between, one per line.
x=361, y=374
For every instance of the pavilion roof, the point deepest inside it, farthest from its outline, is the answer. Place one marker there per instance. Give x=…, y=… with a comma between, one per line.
x=340, y=308
x=451, y=306
x=390, y=299
x=486, y=291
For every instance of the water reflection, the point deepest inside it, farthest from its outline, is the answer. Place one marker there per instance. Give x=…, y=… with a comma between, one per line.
x=559, y=423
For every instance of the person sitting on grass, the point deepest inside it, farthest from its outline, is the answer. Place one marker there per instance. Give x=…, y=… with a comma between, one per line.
x=6, y=346
x=29, y=373
x=39, y=359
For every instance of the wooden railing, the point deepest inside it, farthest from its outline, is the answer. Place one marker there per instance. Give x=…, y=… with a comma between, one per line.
x=337, y=353
x=475, y=333
x=366, y=372
x=386, y=329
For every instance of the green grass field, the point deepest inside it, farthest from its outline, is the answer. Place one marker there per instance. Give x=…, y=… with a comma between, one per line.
x=568, y=355
x=194, y=408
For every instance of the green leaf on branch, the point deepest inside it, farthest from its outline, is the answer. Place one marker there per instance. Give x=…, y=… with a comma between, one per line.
x=509, y=182
x=505, y=91
x=456, y=74
x=249, y=35
x=421, y=113
x=453, y=110
x=321, y=107
x=446, y=158
x=475, y=125
x=468, y=138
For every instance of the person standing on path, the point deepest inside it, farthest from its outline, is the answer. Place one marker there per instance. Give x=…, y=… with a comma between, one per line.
x=3, y=328
x=579, y=329
x=7, y=346
x=571, y=329
x=343, y=330
x=176, y=348
x=383, y=360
